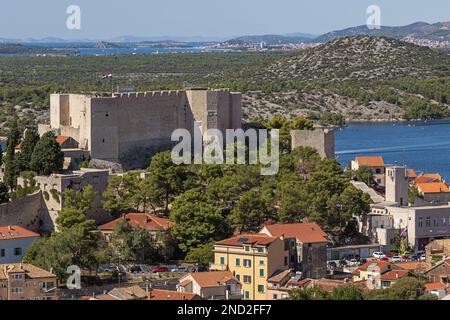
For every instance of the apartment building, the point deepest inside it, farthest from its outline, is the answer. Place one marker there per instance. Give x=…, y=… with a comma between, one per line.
x=14, y=241
x=253, y=259
x=307, y=246
x=20, y=281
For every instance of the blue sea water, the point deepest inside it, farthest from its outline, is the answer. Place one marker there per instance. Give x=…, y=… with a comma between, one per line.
x=424, y=147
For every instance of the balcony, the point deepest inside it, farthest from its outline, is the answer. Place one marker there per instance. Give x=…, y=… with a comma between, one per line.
x=236, y=294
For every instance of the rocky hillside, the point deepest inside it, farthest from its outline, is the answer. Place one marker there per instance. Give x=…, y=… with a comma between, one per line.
x=420, y=30
x=363, y=78
x=358, y=58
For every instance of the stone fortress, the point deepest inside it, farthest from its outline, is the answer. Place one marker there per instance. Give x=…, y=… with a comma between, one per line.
x=128, y=128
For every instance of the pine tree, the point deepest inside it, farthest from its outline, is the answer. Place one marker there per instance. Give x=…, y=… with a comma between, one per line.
x=26, y=149
x=47, y=157
x=11, y=170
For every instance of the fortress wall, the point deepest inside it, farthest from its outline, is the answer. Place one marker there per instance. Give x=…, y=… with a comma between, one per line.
x=29, y=212
x=321, y=140
x=136, y=122
x=236, y=110
x=197, y=100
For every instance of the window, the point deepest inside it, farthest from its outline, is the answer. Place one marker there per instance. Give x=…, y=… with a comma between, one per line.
x=247, y=279
x=2, y=253
x=247, y=263
x=420, y=223
x=238, y=262
x=260, y=249
x=222, y=260
x=247, y=248
x=261, y=272
x=17, y=251
x=17, y=276
x=428, y=222
x=16, y=290
x=238, y=277
x=247, y=294
x=261, y=262
x=377, y=171
x=260, y=288
x=435, y=222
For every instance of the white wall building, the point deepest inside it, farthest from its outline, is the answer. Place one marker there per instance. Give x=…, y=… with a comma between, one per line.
x=14, y=241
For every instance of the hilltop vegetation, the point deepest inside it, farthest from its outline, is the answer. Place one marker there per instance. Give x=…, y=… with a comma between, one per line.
x=437, y=31
x=361, y=78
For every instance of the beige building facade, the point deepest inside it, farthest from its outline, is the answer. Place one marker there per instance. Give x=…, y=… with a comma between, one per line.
x=130, y=127
x=26, y=282
x=253, y=259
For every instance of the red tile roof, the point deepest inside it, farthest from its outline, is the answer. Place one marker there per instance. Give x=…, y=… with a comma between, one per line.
x=15, y=232
x=371, y=161
x=209, y=279
x=146, y=221
x=370, y=265
x=302, y=282
x=305, y=232
x=433, y=187
x=247, y=239
x=393, y=275
x=434, y=286
x=62, y=139
x=411, y=173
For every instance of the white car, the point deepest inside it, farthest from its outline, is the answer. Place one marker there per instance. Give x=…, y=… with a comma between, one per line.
x=423, y=257
x=378, y=255
x=396, y=259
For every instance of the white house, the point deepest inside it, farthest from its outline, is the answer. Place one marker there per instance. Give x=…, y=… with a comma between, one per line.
x=14, y=241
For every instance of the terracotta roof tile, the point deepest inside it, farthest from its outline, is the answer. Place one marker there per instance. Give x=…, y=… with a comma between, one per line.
x=305, y=232
x=433, y=187
x=15, y=232
x=411, y=173
x=370, y=161
x=62, y=139
x=143, y=220
x=30, y=271
x=435, y=286
x=413, y=266
x=393, y=275
x=210, y=279
x=248, y=239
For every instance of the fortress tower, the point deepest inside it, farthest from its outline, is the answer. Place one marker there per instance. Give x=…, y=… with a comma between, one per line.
x=128, y=128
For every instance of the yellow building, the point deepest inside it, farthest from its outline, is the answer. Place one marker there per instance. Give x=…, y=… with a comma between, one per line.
x=253, y=258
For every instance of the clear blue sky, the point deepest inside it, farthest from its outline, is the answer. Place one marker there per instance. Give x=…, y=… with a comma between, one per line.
x=222, y=18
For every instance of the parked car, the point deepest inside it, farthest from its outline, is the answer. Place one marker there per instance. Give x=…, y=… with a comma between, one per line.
x=160, y=269
x=384, y=259
x=422, y=257
x=378, y=255
x=405, y=259
x=396, y=259
x=200, y=269
x=179, y=269
x=413, y=257
x=135, y=269
x=331, y=265
x=353, y=262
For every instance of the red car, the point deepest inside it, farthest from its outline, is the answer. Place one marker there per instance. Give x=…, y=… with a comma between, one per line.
x=159, y=269
x=384, y=259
